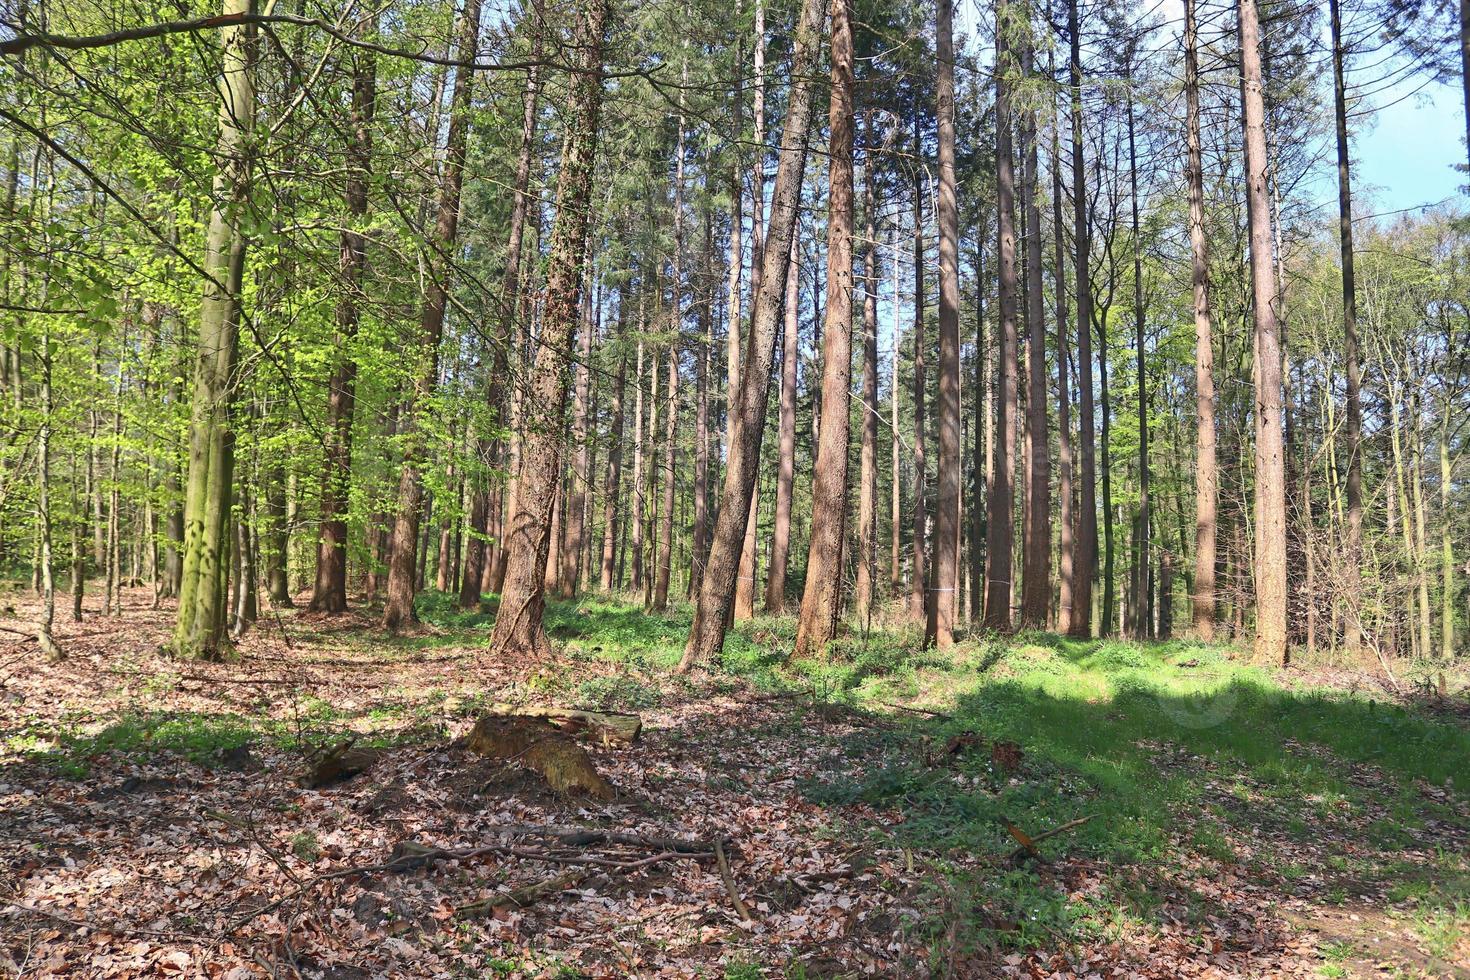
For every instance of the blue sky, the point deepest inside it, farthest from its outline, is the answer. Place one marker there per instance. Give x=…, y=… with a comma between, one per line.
x=1407, y=158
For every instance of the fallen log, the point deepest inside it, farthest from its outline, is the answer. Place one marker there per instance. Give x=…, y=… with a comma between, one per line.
x=606, y=726
x=541, y=747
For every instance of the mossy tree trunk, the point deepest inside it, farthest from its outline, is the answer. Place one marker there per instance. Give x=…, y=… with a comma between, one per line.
x=199, y=629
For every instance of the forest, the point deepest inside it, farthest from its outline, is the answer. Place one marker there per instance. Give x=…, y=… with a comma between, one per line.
x=761, y=488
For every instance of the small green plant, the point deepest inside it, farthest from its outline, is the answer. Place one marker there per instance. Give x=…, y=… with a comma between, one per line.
x=743, y=970
x=305, y=846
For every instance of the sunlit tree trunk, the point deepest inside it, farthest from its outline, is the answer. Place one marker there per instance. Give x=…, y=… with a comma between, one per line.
x=867, y=529
x=785, y=445
x=402, y=570
x=939, y=628
x=1084, y=557
x=1065, y=513
x=1036, y=532
x=999, y=532
x=515, y=331
x=1270, y=529
x=919, y=580
x=612, y=482
x=518, y=626
x=978, y=465
x=1206, y=482
x=1352, y=557
x=1143, y=605
x=821, y=599
x=571, y=552
x=199, y=629
x=895, y=484
x=700, y=544
x=707, y=633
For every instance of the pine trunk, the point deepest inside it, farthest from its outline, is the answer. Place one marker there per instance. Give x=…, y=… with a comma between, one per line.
x=821, y=600
x=518, y=626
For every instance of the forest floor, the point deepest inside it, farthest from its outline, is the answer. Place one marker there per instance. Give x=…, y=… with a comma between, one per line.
x=1240, y=821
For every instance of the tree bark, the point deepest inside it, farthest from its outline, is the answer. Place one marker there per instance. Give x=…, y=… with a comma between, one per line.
x=1206, y=484
x=786, y=445
x=999, y=533
x=1066, y=514
x=402, y=571
x=978, y=481
x=199, y=629
x=518, y=626
x=613, y=480
x=919, y=583
x=700, y=548
x=1143, y=618
x=514, y=327
x=1270, y=529
x=867, y=530
x=1352, y=556
x=895, y=481
x=939, y=627
x=571, y=553
x=707, y=633
x=1084, y=556
x=821, y=599
x=1036, y=535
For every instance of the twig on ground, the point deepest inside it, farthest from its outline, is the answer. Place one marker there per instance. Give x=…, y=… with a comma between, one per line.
x=729, y=879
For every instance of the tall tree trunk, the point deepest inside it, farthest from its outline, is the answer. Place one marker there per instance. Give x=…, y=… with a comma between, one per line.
x=666, y=520
x=786, y=445
x=943, y=597
x=1352, y=557
x=636, y=579
x=867, y=530
x=402, y=571
x=514, y=334
x=707, y=633
x=919, y=583
x=1000, y=531
x=47, y=643
x=1206, y=484
x=518, y=626
x=1110, y=586
x=613, y=480
x=1036, y=543
x=1446, y=549
x=571, y=553
x=199, y=629
x=1084, y=557
x=895, y=483
x=700, y=548
x=1270, y=525
x=1143, y=620
x=1066, y=514
x=978, y=483
x=821, y=599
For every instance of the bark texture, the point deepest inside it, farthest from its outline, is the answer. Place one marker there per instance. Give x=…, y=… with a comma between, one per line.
x=707, y=633
x=821, y=600
x=518, y=626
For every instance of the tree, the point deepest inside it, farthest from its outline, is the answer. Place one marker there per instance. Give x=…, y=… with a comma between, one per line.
x=199, y=628
x=518, y=626
x=1000, y=531
x=1036, y=532
x=1206, y=474
x=1084, y=557
x=939, y=629
x=1270, y=500
x=821, y=600
x=1352, y=628
x=867, y=529
x=402, y=564
x=707, y=632
x=785, y=443
x=329, y=594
